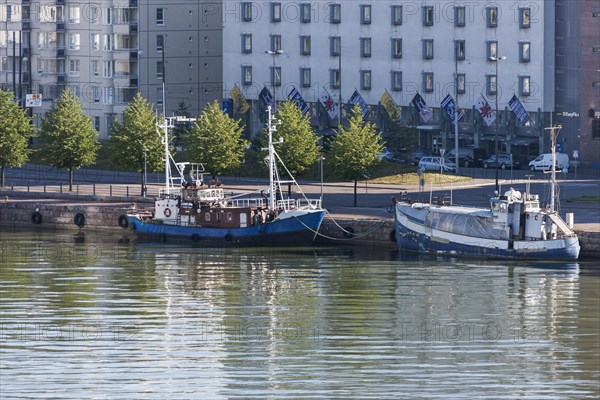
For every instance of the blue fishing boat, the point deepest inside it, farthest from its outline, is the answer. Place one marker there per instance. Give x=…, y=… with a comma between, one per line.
x=514, y=227
x=191, y=208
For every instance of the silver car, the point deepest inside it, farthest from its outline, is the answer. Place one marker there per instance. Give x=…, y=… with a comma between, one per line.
x=437, y=164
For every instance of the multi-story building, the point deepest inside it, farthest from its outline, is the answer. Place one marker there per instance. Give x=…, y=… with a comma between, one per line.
x=107, y=50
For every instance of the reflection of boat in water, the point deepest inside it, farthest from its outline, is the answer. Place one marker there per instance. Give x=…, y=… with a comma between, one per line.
x=198, y=210
x=514, y=227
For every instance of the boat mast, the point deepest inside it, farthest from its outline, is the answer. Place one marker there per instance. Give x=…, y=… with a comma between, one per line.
x=271, y=129
x=165, y=127
x=553, y=133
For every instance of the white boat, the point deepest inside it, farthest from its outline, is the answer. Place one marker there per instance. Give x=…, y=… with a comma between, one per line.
x=513, y=227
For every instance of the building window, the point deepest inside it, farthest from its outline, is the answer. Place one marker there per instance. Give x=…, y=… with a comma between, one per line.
x=276, y=11
x=396, y=47
x=596, y=128
x=305, y=11
x=524, y=85
x=159, y=96
x=491, y=85
x=74, y=41
x=427, y=49
x=95, y=39
x=95, y=67
x=427, y=15
x=397, y=81
x=305, y=45
x=524, y=52
x=160, y=69
x=305, y=80
x=365, y=14
x=246, y=75
x=335, y=13
x=96, y=94
x=492, y=17
x=459, y=47
x=247, y=11
x=525, y=17
x=160, y=43
x=74, y=67
x=491, y=49
x=160, y=16
x=459, y=16
x=108, y=95
x=365, y=47
x=335, y=45
x=396, y=15
x=108, y=43
x=97, y=123
x=460, y=83
x=108, y=69
x=428, y=81
x=365, y=79
x=76, y=89
x=275, y=42
x=74, y=14
x=246, y=43
x=334, y=78
x=276, y=75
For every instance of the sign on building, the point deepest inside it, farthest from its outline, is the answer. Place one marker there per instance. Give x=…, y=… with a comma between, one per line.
x=33, y=100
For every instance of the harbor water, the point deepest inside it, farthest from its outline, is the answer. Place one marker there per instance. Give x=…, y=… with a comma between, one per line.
x=104, y=316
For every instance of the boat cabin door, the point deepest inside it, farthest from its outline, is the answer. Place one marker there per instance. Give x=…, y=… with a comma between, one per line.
x=243, y=220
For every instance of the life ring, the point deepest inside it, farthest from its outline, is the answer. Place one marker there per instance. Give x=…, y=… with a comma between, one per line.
x=79, y=219
x=393, y=235
x=123, y=221
x=348, y=232
x=195, y=237
x=228, y=237
x=167, y=212
x=36, y=218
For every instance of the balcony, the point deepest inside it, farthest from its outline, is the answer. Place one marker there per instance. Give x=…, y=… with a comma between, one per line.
x=60, y=26
x=60, y=53
x=133, y=27
x=133, y=56
x=26, y=26
x=133, y=82
x=61, y=79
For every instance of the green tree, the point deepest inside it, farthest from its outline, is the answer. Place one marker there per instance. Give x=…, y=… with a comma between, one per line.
x=216, y=141
x=181, y=129
x=15, y=131
x=354, y=150
x=299, y=149
x=69, y=139
x=135, y=142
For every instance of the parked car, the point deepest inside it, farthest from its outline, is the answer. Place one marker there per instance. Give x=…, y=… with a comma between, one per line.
x=436, y=164
x=468, y=157
x=504, y=161
x=417, y=155
x=544, y=161
x=390, y=156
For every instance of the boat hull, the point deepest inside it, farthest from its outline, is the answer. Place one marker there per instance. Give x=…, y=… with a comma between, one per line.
x=413, y=236
x=297, y=230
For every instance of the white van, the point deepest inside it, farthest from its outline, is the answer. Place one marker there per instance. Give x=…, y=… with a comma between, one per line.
x=544, y=161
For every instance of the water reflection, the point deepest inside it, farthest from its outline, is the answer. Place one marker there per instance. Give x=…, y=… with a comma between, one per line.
x=115, y=318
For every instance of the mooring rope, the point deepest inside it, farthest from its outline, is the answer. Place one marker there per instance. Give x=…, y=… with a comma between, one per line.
x=353, y=235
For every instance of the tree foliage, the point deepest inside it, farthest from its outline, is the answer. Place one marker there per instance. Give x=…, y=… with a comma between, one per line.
x=15, y=131
x=136, y=133
x=69, y=139
x=354, y=150
x=215, y=141
x=299, y=149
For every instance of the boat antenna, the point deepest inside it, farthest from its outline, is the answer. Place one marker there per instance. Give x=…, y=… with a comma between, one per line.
x=271, y=129
x=165, y=125
x=553, y=134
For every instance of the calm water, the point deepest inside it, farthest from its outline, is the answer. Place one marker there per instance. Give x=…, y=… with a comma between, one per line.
x=99, y=317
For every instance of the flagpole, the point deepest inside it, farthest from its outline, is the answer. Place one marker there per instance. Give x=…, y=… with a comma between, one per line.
x=496, y=59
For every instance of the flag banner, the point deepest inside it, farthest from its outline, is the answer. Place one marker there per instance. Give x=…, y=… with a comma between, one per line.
x=421, y=106
x=296, y=97
x=449, y=105
x=516, y=107
x=356, y=98
x=239, y=99
x=390, y=106
x=489, y=116
x=266, y=97
x=329, y=104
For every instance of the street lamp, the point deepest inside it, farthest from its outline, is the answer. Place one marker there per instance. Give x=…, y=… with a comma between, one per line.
x=340, y=84
x=273, y=53
x=496, y=59
x=145, y=185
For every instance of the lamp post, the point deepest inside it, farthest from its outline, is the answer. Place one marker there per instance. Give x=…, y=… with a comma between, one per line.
x=496, y=59
x=273, y=53
x=145, y=185
x=340, y=84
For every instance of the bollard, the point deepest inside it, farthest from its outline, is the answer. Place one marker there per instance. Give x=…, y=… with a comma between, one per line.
x=110, y=190
x=127, y=191
x=61, y=187
x=27, y=186
x=44, y=187
x=77, y=189
x=94, y=189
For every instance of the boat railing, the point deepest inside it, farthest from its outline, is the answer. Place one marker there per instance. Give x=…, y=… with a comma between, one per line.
x=287, y=204
x=312, y=204
x=252, y=202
